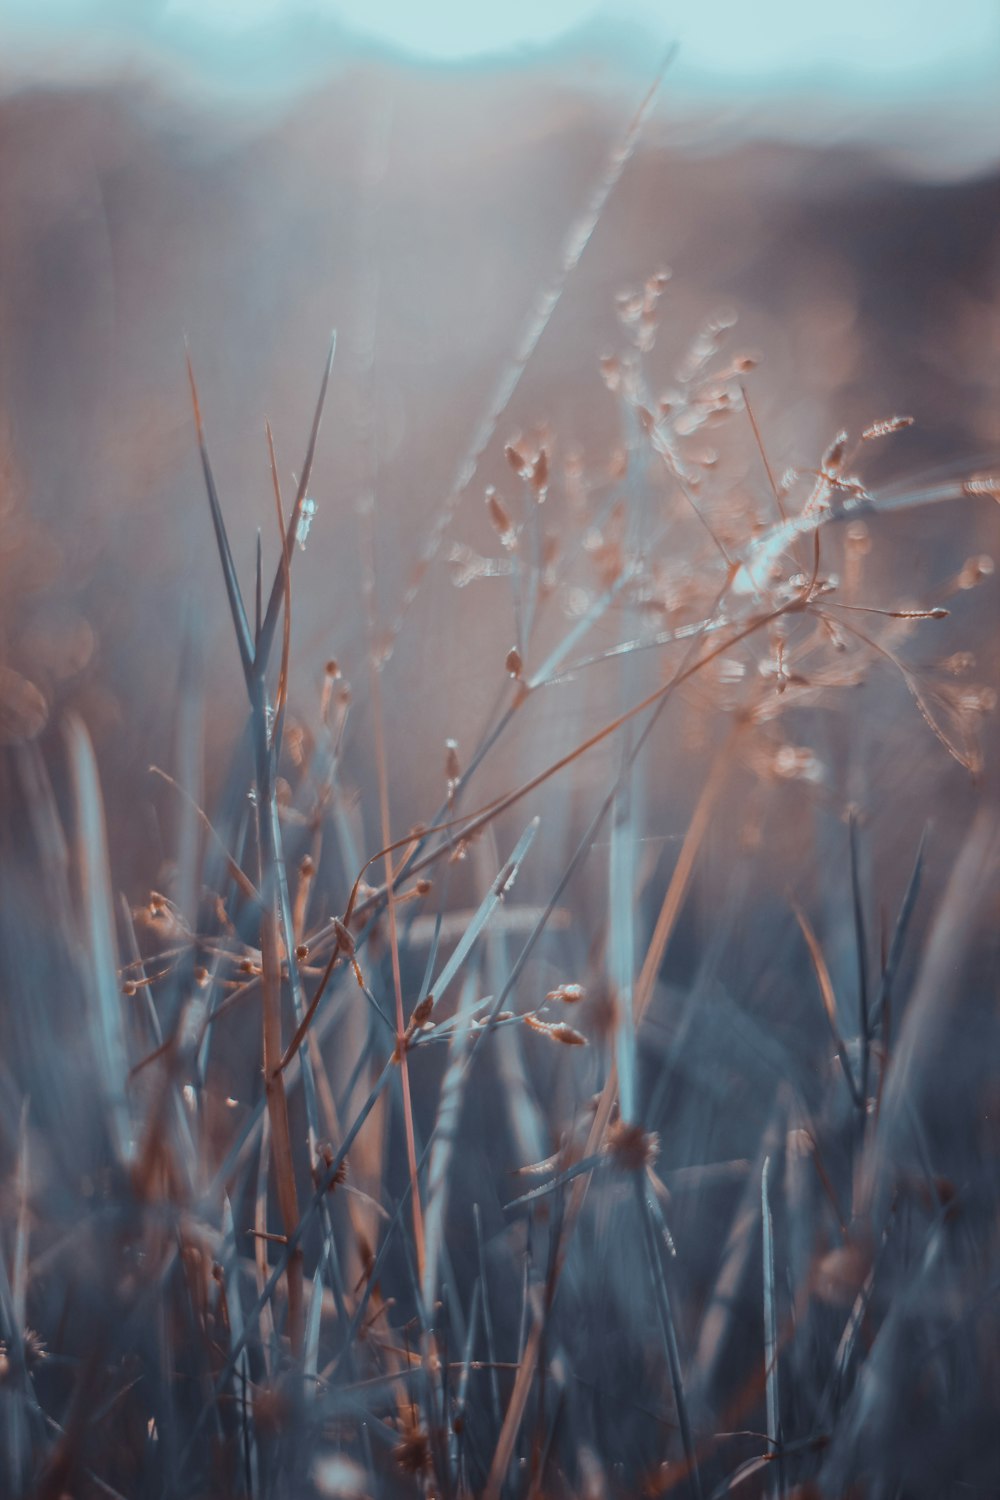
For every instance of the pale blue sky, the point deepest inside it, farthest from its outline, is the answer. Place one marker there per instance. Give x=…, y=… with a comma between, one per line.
x=857, y=39
x=874, y=38
x=937, y=61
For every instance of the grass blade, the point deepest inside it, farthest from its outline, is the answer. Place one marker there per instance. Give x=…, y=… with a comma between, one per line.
x=771, y=1389
x=237, y=608
x=621, y=947
x=110, y=1048
x=900, y=932
x=861, y=947
x=450, y=1104
x=270, y=622
x=662, y=1297
x=829, y=999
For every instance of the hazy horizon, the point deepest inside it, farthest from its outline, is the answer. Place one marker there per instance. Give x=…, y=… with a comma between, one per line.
x=920, y=82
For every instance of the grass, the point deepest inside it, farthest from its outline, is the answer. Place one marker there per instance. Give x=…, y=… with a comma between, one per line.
x=524, y=1151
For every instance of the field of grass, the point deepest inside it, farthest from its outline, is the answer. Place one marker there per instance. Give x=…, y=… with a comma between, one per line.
x=620, y=1120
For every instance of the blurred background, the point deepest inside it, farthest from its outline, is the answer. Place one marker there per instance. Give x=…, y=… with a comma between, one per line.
x=248, y=174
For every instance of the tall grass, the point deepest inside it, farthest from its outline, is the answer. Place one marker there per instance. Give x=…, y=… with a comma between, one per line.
x=505, y=1146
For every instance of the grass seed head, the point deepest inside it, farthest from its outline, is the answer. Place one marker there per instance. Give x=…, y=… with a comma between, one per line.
x=835, y=456
x=886, y=427
x=518, y=459
x=540, y=475
x=983, y=484
x=413, y=1452
x=632, y=1148
x=452, y=768
x=568, y=994
x=500, y=520
x=556, y=1031
x=325, y=1158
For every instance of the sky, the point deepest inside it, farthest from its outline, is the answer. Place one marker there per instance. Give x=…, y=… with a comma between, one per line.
x=727, y=38
x=878, y=58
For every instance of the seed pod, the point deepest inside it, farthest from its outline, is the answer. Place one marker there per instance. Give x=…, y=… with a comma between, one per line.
x=422, y=1012
x=569, y=994
x=324, y=1161
x=500, y=520
x=518, y=460
x=481, y=1022
x=885, y=427
x=631, y=1147
x=556, y=1031
x=540, y=474
x=833, y=458
x=452, y=769
x=983, y=484
x=568, y=1035
x=413, y=1453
